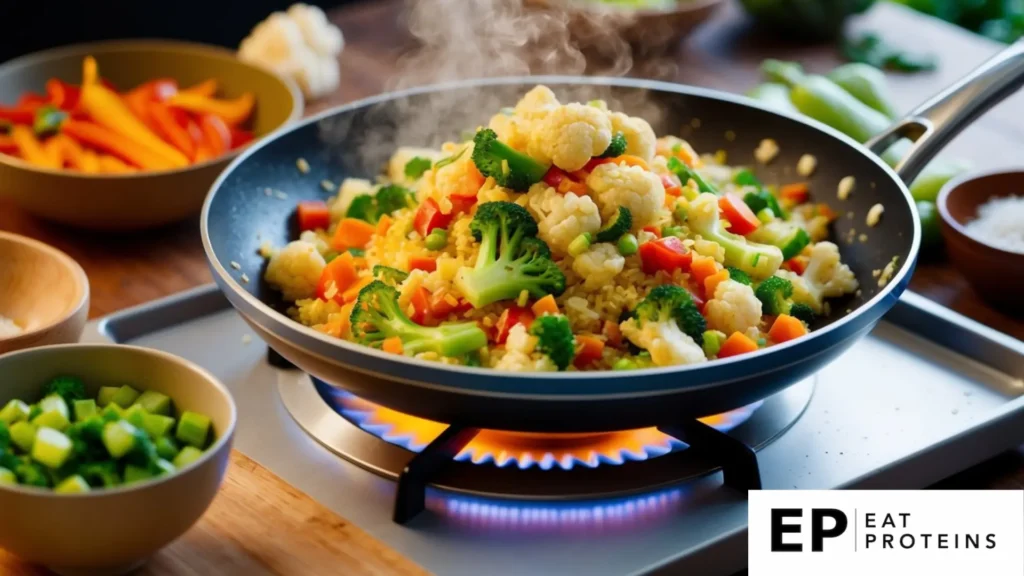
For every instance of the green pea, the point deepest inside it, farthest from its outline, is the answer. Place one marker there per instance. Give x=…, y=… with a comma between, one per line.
x=628, y=245
x=437, y=239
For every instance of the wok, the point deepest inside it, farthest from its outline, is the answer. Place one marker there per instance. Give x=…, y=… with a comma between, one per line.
x=356, y=139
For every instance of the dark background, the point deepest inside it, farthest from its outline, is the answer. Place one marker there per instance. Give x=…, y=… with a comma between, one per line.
x=32, y=25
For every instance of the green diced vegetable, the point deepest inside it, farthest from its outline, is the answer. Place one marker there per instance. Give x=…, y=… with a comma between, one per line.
x=14, y=411
x=579, y=245
x=54, y=403
x=676, y=231
x=686, y=174
x=112, y=413
x=617, y=147
x=53, y=419
x=737, y=275
x=745, y=177
x=437, y=239
x=32, y=473
x=619, y=224
x=188, y=455
x=125, y=396
x=155, y=402
x=119, y=438
x=133, y=474
x=51, y=448
x=786, y=236
x=85, y=409
x=162, y=466
x=758, y=201
x=193, y=429
x=415, y=167
x=624, y=364
x=23, y=435
x=5, y=438
x=48, y=120
x=106, y=395
x=7, y=477
x=67, y=387
x=166, y=448
x=766, y=215
x=134, y=415
x=628, y=245
x=101, y=474
x=156, y=425
x=72, y=485
x=713, y=342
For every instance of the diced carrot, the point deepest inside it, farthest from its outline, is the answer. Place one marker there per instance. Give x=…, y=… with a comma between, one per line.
x=383, y=224
x=425, y=263
x=345, y=323
x=711, y=282
x=786, y=328
x=510, y=317
x=702, y=268
x=672, y=188
x=545, y=305
x=588, y=350
x=313, y=214
x=687, y=155
x=351, y=233
x=421, y=307
x=630, y=160
x=350, y=294
x=653, y=230
x=568, y=185
x=737, y=343
x=338, y=276
x=796, y=193
x=613, y=333
x=826, y=211
x=392, y=345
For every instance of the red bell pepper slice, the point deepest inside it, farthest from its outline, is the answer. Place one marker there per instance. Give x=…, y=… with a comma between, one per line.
x=7, y=145
x=741, y=218
x=216, y=133
x=62, y=95
x=510, y=317
x=666, y=254
x=168, y=125
x=554, y=176
x=429, y=216
x=22, y=114
x=31, y=99
x=241, y=137
x=313, y=215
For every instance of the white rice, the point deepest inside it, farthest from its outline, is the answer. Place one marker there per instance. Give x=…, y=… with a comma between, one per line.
x=8, y=328
x=1000, y=223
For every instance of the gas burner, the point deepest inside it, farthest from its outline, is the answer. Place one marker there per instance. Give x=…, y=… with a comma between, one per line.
x=522, y=450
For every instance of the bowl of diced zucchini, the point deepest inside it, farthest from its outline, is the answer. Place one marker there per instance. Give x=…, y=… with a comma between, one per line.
x=107, y=453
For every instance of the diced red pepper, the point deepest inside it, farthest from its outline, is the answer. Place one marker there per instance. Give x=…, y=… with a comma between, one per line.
x=31, y=99
x=461, y=204
x=554, y=176
x=671, y=188
x=22, y=114
x=510, y=317
x=594, y=163
x=796, y=264
x=429, y=216
x=653, y=230
x=795, y=193
x=666, y=254
x=741, y=218
x=421, y=307
x=313, y=214
x=422, y=263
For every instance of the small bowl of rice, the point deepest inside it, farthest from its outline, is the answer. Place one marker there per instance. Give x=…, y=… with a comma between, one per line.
x=983, y=225
x=44, y=295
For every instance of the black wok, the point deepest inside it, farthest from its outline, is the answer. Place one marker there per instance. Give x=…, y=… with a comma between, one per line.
x=355, y=140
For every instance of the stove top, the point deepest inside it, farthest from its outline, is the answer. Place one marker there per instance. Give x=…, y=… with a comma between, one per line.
x=896, y=411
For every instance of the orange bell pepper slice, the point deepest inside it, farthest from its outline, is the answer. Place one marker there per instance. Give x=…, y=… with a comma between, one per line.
x=234, y=111
x=106, y=140
x=545, y=305
x=206, y=88
x=163, y=119
x=112, y=165
x=215, y=133
x=31, y=149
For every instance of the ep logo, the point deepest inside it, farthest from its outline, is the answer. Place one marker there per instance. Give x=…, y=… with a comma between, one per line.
x=824, y=523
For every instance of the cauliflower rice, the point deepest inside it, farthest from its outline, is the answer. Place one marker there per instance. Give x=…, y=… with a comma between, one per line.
x=562, y=237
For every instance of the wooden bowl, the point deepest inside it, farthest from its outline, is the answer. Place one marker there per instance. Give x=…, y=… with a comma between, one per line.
x=144, y=199
x=43, y=290
x=996, y=274
x=111, y=531
x=652, y=28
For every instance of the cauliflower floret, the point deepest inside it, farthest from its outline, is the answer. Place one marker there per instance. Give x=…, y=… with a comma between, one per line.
x=668, y=345
x=825, y=277
x=570, y=135
x=640, y=138
x=709, y=249
x=599, y=265
x=318, y=33
x=561, y=218
x=316, y=240
x=295, y=270
x=733, y=309
x=511, y=130
x=402, y=156
x=349, y=189
x=536, y=103
x=617, y=185
x=519, y=353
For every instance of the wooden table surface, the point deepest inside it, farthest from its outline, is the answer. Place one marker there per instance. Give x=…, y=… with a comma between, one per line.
x=125, y=270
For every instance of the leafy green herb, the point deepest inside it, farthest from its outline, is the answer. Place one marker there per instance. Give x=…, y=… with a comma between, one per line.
x=416, y=167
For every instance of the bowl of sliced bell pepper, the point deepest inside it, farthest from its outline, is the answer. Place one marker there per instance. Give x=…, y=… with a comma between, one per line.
x=130, y=134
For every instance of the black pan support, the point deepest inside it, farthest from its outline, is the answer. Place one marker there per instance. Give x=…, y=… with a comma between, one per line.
x=737, y=461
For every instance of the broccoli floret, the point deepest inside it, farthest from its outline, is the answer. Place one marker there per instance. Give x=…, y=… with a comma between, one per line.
x=740, y=276
x=378, y=316
x=87, y=439
x=773, y=294
x=31, y=473
x=555, y=339
x=617, y=147
x=762, y=199
x=508, y=167
x=686, y=174
x=671, y=302
x=802, y=312
x=416, y=167
x=5, y=437
x=511, y=258
x=392, y=198
x=68, y=388
x=389, y=275
x=616, y=227
x=757, y=260
x=362, y=208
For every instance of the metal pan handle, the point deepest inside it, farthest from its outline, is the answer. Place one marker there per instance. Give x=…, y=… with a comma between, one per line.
x=933, y=124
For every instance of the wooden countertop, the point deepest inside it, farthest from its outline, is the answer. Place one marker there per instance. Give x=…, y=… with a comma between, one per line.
x=130, y=269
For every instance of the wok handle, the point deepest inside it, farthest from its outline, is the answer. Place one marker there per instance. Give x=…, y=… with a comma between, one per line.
x=933, y=124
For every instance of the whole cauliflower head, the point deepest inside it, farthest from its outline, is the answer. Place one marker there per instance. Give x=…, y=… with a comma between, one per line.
x=570, y=135
x=640, y=138
x=617, y=185
x=519, y=353
x=295, y=270
x=599, y=265
x=825, y=277
x=562, y=217
x=668, y=345
x=733, y=309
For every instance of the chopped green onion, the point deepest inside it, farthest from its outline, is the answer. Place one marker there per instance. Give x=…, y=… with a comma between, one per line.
x=628, y=245
x=437, y=239
x=765, y=215
x=580, y=245
x=757, y=258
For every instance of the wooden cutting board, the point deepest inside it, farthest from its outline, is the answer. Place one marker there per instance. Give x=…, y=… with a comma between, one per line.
x=259, y=525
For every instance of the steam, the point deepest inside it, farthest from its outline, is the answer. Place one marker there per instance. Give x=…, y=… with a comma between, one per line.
x=465, y=39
